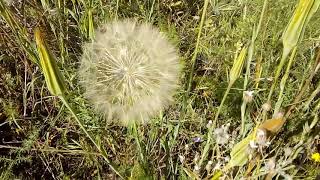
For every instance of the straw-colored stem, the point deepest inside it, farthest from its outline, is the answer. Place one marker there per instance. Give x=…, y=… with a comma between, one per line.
x=312, y=96
x=302, y=91
x=53, y=150
x=317, y=106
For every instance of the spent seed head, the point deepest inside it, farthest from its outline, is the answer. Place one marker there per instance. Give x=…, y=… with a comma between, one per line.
x=129, y=72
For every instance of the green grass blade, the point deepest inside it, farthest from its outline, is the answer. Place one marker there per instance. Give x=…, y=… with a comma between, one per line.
x=195, y=53
x=249, y=60
x=234, y=74
x=283, y=83
x=19, y=32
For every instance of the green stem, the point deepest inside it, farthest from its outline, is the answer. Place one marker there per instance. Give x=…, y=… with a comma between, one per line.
x=136, y=136
x=317, y=107
x=211, y=128
x=222, y=102
x=151, y=10
x=100, y=149
x=285, y=54
x=195, y=53
x=250, y=55
x=283, y=82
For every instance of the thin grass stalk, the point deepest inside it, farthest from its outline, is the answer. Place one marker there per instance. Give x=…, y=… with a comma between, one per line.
x=312, y=96
x=90, y=24
x=278, y=71
x=245, y=83
x=283, y=82
x=318, y=105
x=19, y=32
x=136, y=136
x=100, y=148
x=195, y=53
x=117, y=9
x=211, y=128
x=234, y=75
x=221, y=104
x=305, y=85
x=151, y=10
x=52, y=150
x=61, y=19
x=249, y=60
x=258, y=72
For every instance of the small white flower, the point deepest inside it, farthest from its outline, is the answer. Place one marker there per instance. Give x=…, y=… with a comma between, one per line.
x=217, y=166
x=261, y=137
x=181, y=158
x=186, y=147
x=209, y=166
x=196, y=168
x=197, y=139
x=253, y=144
x=279, y=115
x=196, y=158
x=287, y=151
x=209, y=124
x=248, y=96
x=271, y=164
x=227, y=159
x=266, y=106
x=222, y=135
x=196, y=17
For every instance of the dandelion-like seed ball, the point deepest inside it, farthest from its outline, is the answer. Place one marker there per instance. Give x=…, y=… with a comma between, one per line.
x=129, y=71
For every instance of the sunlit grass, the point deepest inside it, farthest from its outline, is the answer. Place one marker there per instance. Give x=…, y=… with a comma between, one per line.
x=265, y=49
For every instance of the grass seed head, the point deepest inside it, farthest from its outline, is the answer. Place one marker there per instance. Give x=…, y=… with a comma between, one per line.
x=129, y=72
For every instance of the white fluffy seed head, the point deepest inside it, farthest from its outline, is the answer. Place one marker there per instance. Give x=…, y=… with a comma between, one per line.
x=129, y=72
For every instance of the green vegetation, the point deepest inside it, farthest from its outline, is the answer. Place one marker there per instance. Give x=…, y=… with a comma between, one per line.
x=247, y=106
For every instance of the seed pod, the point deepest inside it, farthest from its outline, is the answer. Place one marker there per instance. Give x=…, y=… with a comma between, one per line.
x=237, y=66
x=52, y=75
x=296, y=26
